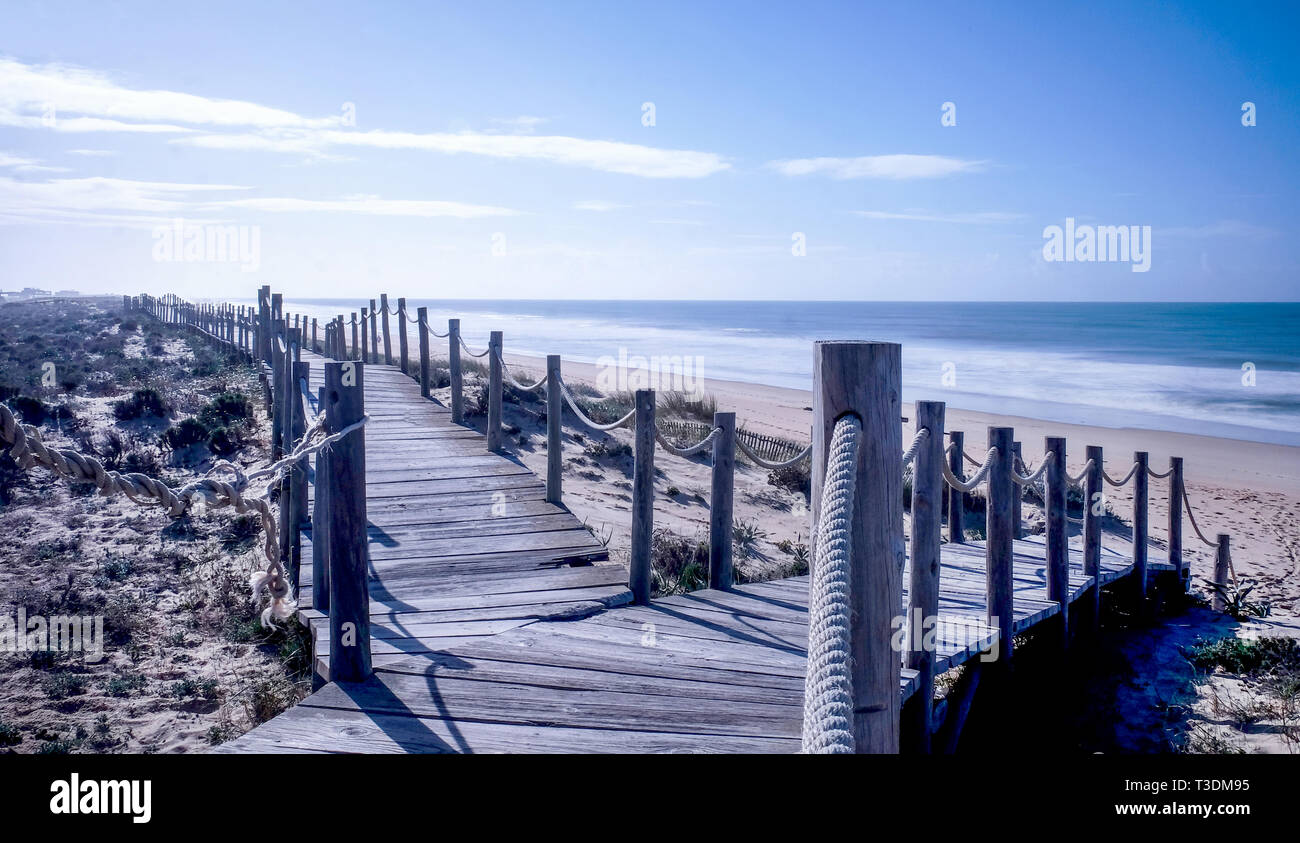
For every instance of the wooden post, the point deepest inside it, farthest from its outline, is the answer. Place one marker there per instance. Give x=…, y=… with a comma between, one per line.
x=494, y=392
x=554, y=432
x=320, y=522
x=264, y=324
x=388, y=340
x=422, y=318
x=1141, y=482
x=314, y=347
x=373, y=325
x=1058, y=549
x=401, y=334
x=277, y=390
x=355, y=345
x=956, y=497
x=865, y=379
x=923, y=590
x=1093, y=511
x=643, y=493
x=368, y=355
x=298, y=473
x=1222, y=564
x=721, y=573
x=1176, y=519
x=349, y=549
x=1000, y=583
x=341, y=334
x=1017, y=501
x=453, y=368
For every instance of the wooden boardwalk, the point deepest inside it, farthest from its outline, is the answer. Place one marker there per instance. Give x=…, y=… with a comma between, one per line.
x=498, y=625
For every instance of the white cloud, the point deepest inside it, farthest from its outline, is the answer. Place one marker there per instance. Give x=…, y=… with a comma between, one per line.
x=974, y=218
x=598, y=205
x=893, y=167
x=96, y=103
x=20, y=164
x=369, y=205
x=1222, y=228
x=92, y=153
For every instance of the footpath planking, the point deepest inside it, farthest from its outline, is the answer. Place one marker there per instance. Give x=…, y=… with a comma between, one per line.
x=499, y=624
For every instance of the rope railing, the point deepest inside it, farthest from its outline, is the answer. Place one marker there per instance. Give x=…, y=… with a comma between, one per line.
x=1127, y=477
x=975, y=480
x=471, y=352
x=910, y=454
x=515, y=382
x=584, y=418
x=768, y=464
x=690, y=450
x=828, y=683
x=1030, y=478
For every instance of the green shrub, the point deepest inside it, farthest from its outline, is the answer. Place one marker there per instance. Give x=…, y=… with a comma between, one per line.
x=226, y=408
x=32, y=410
x=188, y=432
x=142, y=403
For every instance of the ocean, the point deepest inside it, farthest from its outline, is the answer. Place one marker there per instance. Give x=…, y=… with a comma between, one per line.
x=1217, y=369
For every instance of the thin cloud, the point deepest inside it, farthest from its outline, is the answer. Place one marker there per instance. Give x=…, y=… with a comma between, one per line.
x=597, y=205
x=369, y=205
x=890, y=167
x=19, y=164
x=975, y=218
x=93, y=153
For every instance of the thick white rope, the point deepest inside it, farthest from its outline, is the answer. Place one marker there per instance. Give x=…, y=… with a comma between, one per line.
x=577, y=411
x=910, y=454
x=690, y=450
x=976, y=479
x=1029, y=479
x=1187, y=507
x=515, y=383
x=470, y=351
x=1076, y=479
x=1157, y=475
x=772, y=466
x=1112, y=481
x=828, y=683
x=427, y=327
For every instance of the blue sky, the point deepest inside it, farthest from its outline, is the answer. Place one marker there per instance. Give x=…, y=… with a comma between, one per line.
x=500, y=150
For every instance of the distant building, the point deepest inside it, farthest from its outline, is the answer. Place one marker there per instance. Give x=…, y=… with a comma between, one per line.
x=68, y=293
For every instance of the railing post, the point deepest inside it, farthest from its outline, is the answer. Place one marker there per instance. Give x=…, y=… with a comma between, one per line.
x=315, y=348
x=264, y=324
x=340, y=333
x=298, y=473
x=388, y=340
x=368, y=355
x=721, y=573
x=453, y=369
x=865, y=379
x=401, y=334
x=356, y=347
x=1176, y=520
x=1058, y=549
x=422, y=319
x=373, y=326
x=1017, y=500
x=320, y=521
x=1141, y=483
x=956, y=497
x=1222, y=564
x=277, y=391
x=1093, y=511
x=349, y=548
x=494, y=392
x=554, y=432
x=1000, y=583
x=923, y=589
x=643, y=493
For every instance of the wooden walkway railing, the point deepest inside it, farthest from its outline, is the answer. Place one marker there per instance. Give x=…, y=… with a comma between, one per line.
x=999, y=589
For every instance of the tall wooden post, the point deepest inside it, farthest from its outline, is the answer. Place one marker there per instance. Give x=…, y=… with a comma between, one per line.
x=494, y=392
x=368, y=355
x=1000, y=583
x=1093, y=511
x=554, y=431
x=923, y=589
x=643, y=493
x=1176, y=519
x=721, y=573
x=298, y=473
x=277, y=390
x=401, y=334
x=1058, y=549
x=864, y=379
x=1222, y=564
x=314, y=347
x=320, y=518
x=349, y=549
x=355, y=345
x=1141, y=482
x=956, y=497
x=1017, y=500
x=422, y=320
x=453, y=369
x=264, y=324
x=373, y=326
x=388, y=340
